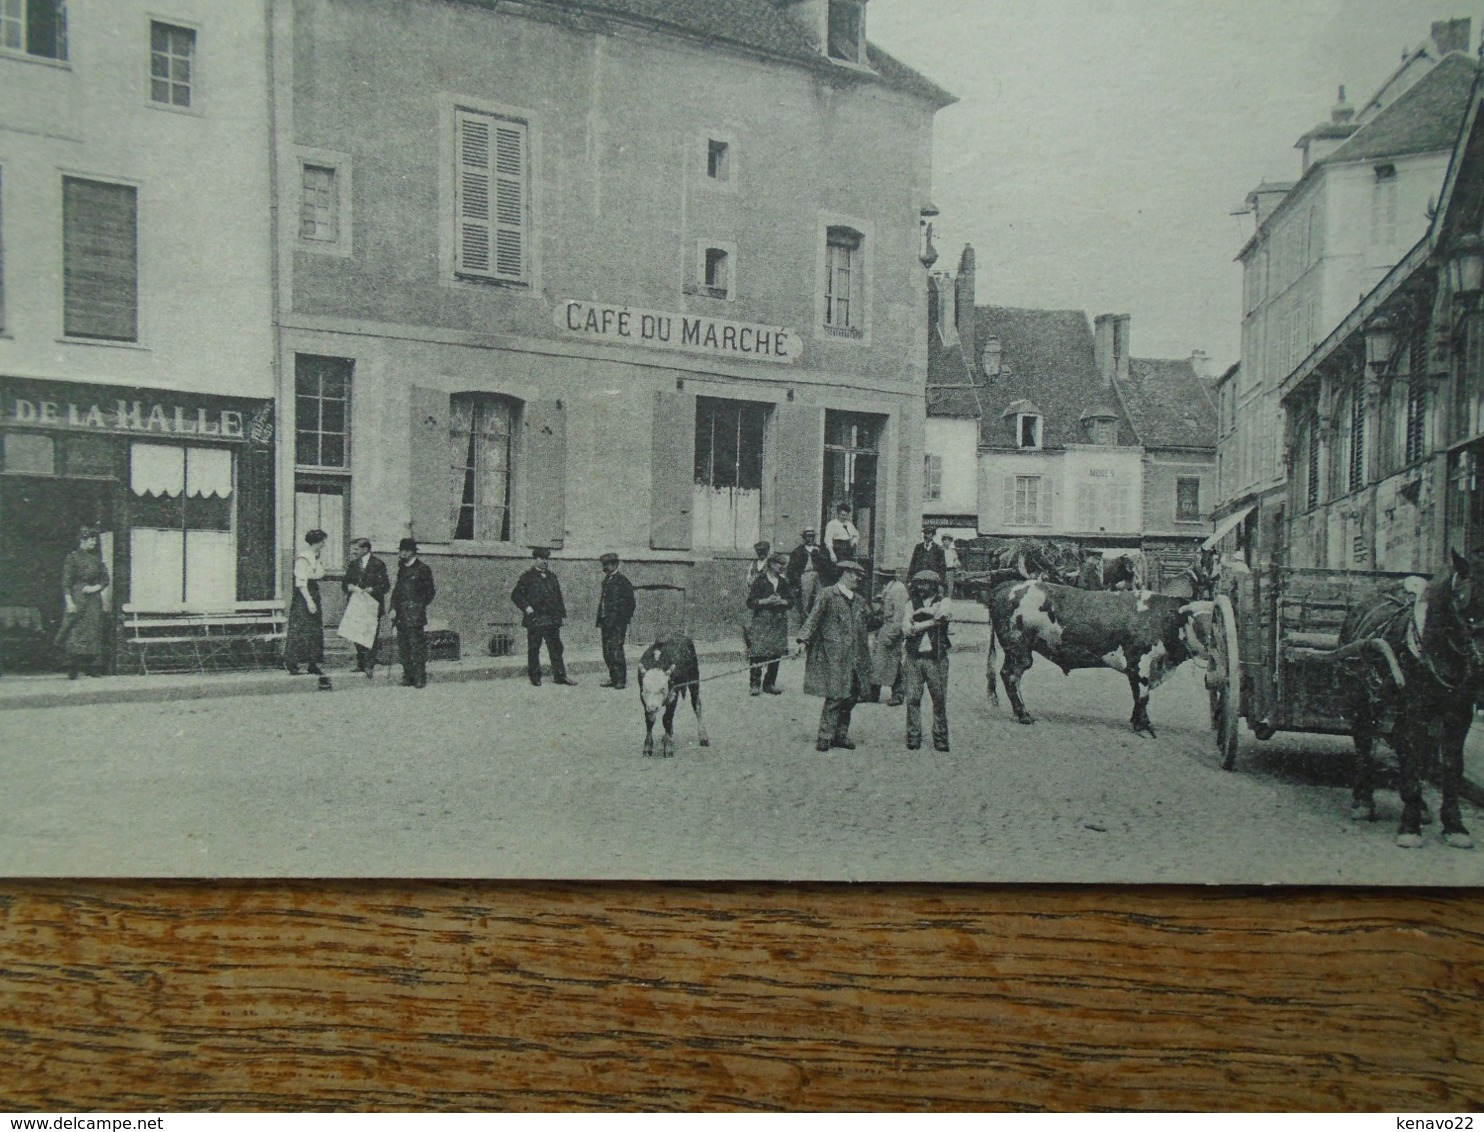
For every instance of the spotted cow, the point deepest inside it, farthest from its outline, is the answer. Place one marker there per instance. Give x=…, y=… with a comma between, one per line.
x=1142, y=634
x=668, y=670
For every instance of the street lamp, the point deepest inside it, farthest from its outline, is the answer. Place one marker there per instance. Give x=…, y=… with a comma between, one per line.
x=929, y=255
x=1466, y=268
x=1380, y=343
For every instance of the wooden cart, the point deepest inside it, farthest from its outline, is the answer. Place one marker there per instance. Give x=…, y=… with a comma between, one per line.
x=1274, y=636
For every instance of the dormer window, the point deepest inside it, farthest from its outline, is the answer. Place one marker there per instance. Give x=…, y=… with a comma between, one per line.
x=1028, y=430
x=1101, y=425
x=847, y=30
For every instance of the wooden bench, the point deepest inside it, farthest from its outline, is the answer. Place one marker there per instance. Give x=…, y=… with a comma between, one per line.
x=180, y=638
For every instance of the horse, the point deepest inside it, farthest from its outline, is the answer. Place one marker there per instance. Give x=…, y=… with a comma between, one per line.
x=1413, y=667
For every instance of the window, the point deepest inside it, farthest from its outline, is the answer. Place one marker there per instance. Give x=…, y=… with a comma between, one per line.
x=1311, y=483
x=322, y=411
x=481, y=451
x=845, y=30
x=1187, y=499
x=100, y=260
x=1027, y=501
x=1357, y=440
x=37, y=27
x=718, y=160
x=491, y=216
x=322, y=503
x=932, y=478
x=843, y=306
x=319, y=213
x=1102, y=505
x=1028, y=430
x=1384, y=194
x=182, y=540
x=172, y=56
x=1416, y=418
x=1104, y=431
x=727, y=496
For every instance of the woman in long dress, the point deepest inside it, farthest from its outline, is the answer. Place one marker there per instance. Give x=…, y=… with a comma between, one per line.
x=304, y=643
x=84, y=578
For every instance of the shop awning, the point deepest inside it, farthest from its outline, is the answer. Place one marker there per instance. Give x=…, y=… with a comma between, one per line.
x=1226, y=526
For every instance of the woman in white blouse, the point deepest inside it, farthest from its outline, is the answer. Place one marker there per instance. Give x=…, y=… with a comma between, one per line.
x=304, y=642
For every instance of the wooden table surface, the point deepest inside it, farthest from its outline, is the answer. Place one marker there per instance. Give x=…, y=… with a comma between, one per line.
x=482, y=995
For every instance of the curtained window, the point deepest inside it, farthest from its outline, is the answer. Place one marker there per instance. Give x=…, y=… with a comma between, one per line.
x=182, y=544
x=481, y=445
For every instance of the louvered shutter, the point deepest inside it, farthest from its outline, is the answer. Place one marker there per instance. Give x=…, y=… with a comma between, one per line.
x=672, y=470
x=1045, y=502
x=431, y=494
x=100, y=260
x=1008, y=514
x=543, y=472
x=491, y=196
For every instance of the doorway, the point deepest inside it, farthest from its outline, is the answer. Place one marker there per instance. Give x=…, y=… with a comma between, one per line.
x=852, y=452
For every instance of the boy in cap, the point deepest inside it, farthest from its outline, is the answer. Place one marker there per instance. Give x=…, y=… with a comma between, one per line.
x=411, y=596
x=538, y=596
x=615, y=611
x=925, y=629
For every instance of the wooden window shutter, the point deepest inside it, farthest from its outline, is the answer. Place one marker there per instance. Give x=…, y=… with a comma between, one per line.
x=490, y=196
x=672, y=470
x=100, y=260
x=431, y=494
x=1009, y=500
x=797, y=455
x=543, y=473
x=1044, y=499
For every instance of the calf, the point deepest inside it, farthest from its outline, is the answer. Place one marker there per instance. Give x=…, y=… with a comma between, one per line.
x=668, y=670
x=1145, y=635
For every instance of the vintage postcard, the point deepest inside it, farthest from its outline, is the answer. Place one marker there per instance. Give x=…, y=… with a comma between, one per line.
x=846, y=440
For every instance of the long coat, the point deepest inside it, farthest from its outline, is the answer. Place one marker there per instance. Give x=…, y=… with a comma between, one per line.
x=835, y=635
x=542, y=593
x=925, y=557
x=81, y=633
x=413, y=593
x=615, y=602
x=886, y=654
x=767, y=636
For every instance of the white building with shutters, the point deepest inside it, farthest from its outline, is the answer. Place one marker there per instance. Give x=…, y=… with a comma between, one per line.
x=612, y=275
x=136, y=313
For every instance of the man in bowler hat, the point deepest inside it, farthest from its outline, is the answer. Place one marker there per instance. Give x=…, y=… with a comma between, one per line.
x=538, y=596
x=411, y=597
x=615, y=611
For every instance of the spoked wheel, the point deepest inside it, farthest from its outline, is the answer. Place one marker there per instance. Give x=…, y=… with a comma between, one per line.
x=1224, y=681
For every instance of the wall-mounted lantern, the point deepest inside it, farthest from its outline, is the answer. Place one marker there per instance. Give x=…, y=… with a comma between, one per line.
x=929, y=254
x=1380, y=343
x=1466, y=268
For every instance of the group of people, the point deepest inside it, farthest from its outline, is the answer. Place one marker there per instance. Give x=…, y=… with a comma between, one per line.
x=842, y=665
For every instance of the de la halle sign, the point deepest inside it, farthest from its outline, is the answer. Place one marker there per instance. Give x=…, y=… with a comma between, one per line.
x=667, y=330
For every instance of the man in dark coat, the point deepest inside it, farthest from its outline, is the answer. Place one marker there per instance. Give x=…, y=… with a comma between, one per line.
x=367, y=574
x=839, y=661
x=411, y=597
x=615, y=611
x=538, y=596
x=928, y=555
x=804, y=571
x=925, y=629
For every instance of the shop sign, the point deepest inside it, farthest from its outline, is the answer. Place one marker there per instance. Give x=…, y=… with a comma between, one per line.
x=667, y=330
x=124, y=411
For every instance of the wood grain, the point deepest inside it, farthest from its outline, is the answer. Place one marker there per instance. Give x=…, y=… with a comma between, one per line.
x=191, y=996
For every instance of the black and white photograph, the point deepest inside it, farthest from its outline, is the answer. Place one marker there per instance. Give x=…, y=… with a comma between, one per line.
x=777, y=440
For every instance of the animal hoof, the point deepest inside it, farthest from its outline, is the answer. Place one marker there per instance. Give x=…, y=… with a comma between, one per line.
x=1362, y=812
x=705, y=742
x=1025, y=719
x=1458, y=839
x=1409, y=840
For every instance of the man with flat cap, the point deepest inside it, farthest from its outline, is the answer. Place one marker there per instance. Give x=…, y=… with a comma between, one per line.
x=411, y=596
x=838, y=666
x=804, y=570
x=759, y=565
x=925, y=629
x=538, y=596
x=615, y=611
x=928, y=555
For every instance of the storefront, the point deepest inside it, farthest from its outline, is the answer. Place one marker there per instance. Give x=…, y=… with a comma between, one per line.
x=180, y=485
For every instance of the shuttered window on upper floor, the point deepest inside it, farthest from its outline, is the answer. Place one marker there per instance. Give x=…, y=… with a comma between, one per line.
x=100, y=260
x=492, y=215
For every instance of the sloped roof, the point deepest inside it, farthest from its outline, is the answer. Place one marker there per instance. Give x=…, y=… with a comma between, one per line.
x=1167, y=404
x=753, y=25
x=951, y=391
x=1046, y=357
x=1424, y=119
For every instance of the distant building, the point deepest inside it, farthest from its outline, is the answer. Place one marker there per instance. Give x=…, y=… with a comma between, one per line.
x=1368, y=178
x=950, y=480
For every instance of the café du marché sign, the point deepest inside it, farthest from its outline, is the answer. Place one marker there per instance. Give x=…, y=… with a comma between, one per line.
x=666, y=330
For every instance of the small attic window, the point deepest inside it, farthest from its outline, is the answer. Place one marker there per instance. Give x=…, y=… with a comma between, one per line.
x=846, y=30
x=1028, y=430
x=1103, y=431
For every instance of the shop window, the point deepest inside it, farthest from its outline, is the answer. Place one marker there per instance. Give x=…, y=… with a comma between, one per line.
x=322, y=411
x=172, y=61
x=491, y=221
x=87, y=456
x=182, y=538
x=481, y=451
x=844, y=306
x=1188, y=499
x=30, y=454
x=100, y=260
x=932, y=478
x=36, y=27
x=727, y=510
x=846, y=30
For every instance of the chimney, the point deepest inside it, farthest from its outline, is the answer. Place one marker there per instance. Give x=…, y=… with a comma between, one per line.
x=942, y=287
x=1110, y=346
x=1327, y=137
x=1263, y=200
x=963, y=302
x=1200, y=363
x=1451, y=35
x=991, y=357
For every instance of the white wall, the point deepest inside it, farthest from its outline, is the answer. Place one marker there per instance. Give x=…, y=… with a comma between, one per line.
x=957, y=443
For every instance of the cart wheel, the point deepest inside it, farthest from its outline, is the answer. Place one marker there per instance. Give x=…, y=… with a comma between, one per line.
x=1224, y=681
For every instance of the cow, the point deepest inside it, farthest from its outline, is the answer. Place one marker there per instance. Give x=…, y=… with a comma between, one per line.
x=1142, y=634
x=668, y=670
